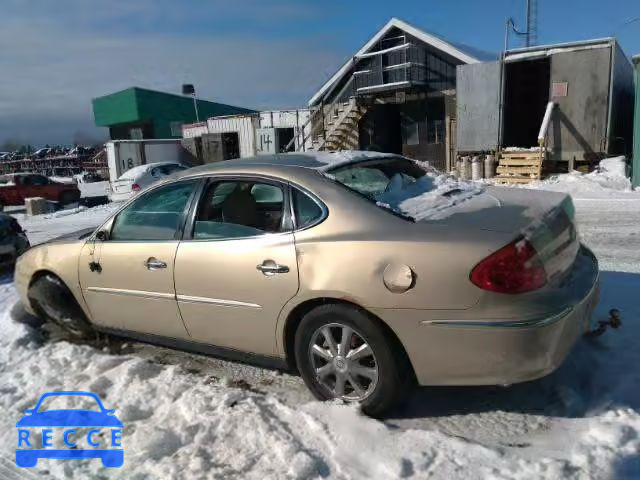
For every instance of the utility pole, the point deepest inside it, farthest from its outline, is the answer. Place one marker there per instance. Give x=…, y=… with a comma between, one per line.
x=189, y=89
x=531, y=33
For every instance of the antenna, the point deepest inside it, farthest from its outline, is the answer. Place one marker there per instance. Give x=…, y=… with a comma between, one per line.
x=531, y=33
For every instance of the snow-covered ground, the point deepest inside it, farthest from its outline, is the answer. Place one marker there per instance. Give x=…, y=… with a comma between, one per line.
x=189, y=416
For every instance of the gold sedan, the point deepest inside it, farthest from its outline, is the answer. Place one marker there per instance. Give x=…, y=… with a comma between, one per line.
x=366, y=272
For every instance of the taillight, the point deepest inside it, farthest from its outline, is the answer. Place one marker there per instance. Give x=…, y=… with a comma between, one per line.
x=515, y=268
x=135, y=187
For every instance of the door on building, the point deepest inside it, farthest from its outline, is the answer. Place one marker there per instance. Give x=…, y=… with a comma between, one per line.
x=380, y=129
x=526, y=96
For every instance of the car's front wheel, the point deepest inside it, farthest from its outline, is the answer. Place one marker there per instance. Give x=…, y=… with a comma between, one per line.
x=342, y=352
x=53, y=301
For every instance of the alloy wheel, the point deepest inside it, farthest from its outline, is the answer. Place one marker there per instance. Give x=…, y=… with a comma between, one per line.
x=343, y=362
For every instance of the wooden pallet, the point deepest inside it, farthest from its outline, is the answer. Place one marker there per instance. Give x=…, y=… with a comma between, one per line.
x=519, y=167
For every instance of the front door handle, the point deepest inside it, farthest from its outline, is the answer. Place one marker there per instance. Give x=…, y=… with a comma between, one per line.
x=153, y=263
x=270, y=268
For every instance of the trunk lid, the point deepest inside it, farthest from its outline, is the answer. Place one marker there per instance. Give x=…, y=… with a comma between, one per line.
x=545, y=219
x=122, y=185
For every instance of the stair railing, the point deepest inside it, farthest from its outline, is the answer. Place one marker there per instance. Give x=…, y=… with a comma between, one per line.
x=314, y=124
x=543, y=133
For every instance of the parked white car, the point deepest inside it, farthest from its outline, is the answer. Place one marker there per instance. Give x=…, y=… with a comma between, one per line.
x=140, y=177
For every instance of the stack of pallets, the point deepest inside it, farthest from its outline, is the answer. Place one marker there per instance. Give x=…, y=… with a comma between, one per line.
x=519, y=167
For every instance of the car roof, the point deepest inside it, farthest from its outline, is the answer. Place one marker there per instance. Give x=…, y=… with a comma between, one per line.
x=320, y=161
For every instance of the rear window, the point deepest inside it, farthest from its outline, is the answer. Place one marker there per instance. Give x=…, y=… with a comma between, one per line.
x=374, y=177
x=404, y=187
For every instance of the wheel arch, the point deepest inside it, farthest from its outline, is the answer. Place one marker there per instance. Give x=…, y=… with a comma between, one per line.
x=294, y=318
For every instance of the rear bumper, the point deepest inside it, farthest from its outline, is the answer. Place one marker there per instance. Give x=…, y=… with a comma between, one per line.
x=499, y=352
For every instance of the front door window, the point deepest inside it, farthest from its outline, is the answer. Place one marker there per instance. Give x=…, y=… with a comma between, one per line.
x=157, y=215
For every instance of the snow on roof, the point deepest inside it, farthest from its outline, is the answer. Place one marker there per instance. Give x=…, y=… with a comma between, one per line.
x=546, y=50
x=436, y=42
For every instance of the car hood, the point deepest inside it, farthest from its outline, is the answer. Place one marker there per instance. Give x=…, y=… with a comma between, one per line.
x=73, y=236
x=69, y=418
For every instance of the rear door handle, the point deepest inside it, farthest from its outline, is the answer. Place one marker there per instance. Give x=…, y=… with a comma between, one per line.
x=269, y=268
x=153, y=263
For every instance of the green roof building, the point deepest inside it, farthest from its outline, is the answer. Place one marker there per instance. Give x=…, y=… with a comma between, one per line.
x=138, y=113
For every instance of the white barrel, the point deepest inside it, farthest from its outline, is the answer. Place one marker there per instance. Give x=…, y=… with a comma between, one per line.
x=489, y=166
x=477, y=168
x=465, y=170
x=458, y=169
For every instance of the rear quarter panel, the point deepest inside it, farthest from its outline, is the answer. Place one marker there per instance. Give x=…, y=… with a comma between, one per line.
x=344, y=258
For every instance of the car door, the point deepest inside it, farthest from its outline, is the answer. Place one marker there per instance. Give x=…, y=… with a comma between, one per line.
x=127, y=279
x=236, y=266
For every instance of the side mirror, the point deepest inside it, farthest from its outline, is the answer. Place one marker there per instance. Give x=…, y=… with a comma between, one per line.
x=102, y=235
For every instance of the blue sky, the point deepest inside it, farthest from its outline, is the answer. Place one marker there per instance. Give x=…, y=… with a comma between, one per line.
x=253, y=53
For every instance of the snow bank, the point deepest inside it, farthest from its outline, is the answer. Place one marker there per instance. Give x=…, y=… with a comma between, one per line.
x=429, y=196
x=609, y=181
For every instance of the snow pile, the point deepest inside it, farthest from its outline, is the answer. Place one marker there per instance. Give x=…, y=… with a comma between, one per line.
x=610, y=181
x=428, y=196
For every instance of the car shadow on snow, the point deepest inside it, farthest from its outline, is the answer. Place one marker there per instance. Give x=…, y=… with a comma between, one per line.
x=599, y=373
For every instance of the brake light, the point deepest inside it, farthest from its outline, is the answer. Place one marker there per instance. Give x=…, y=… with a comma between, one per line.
x=515, y=268
x=135, y=187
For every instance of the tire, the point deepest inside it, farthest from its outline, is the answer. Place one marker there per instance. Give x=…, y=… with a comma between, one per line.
x=53, y=302
x=69, y=197
x=377, y=393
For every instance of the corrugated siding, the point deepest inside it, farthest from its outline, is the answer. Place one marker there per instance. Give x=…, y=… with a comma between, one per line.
x=245, y=127
x=194, y=130
x=478, y=106
x=284, y=118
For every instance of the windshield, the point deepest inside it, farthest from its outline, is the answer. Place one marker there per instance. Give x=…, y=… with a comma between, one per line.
x=65, y=402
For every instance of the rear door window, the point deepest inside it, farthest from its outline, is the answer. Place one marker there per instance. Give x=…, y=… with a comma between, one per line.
x=307, y=211
x=240, y=208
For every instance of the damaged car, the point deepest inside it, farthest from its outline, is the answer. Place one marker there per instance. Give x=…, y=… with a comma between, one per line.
x=368, y=273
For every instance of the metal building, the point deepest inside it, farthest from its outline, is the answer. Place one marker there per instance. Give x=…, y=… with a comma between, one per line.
x=237, y=136
x=585, y=88
x=138, y=113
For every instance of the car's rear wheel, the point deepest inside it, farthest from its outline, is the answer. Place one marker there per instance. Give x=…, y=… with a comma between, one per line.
x=54, y=302
x=342, y=352
x=69, y=197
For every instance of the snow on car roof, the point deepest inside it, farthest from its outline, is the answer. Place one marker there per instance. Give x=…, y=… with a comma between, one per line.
x=321, y=161
x=140, y=169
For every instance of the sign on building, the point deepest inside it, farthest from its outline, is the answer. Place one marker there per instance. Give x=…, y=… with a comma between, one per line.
x=266, y=141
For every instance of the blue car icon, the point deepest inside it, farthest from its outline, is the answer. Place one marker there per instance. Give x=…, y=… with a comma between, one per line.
x=28, y=457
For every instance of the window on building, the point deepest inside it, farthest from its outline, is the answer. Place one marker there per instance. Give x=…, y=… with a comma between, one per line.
x=410, y=130
x=435, y=121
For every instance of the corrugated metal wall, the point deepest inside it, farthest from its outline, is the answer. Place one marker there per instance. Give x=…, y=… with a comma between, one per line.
x=244, y=125
x=478, y=109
